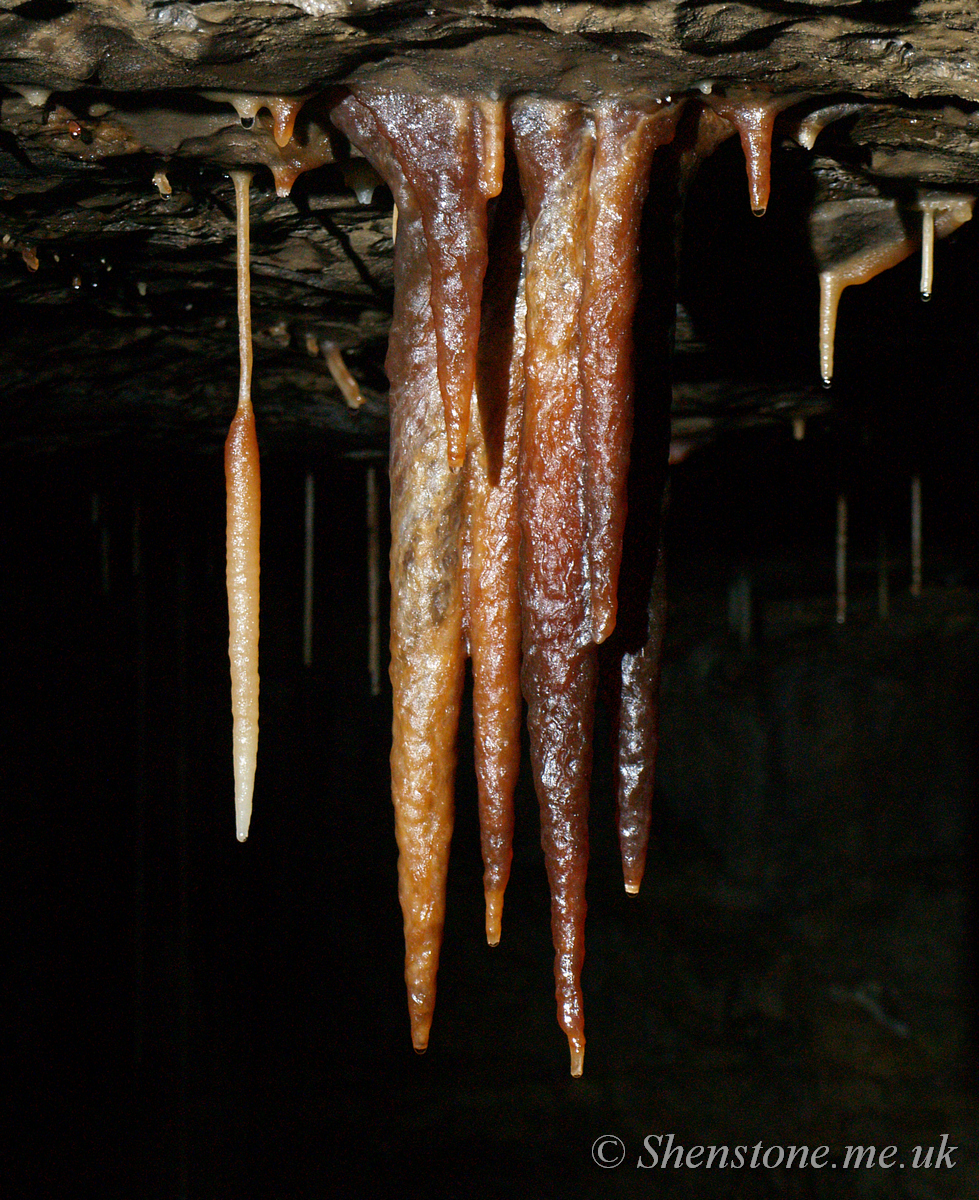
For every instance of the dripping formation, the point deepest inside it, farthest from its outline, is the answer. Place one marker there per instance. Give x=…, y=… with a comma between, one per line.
x=885, y=240
x=528, y=492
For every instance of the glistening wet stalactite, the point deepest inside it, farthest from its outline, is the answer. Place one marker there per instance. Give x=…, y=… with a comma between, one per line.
x=492, y=546
x=429, y=429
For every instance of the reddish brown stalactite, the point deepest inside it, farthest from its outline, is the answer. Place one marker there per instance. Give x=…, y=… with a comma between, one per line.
x=753, y=115
x=637, y=734
x=626, y=140
x=636, y=644
x=492, y=548
x=427, y=646
x=637, y=641
x=555, y=147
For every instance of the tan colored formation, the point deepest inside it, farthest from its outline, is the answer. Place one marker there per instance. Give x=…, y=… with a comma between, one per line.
x=940, y=216
x=244, y=490
x=527, y=489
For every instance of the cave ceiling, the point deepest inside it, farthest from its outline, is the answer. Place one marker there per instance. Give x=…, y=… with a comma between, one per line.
x=120, y=119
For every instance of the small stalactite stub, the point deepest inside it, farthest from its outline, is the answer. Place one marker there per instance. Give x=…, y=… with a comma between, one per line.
x=753, y=113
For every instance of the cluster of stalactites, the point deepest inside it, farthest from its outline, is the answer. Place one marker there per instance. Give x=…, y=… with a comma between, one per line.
x=519, y=536
x=512, y=372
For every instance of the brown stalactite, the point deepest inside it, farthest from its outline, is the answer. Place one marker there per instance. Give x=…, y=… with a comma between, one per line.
x=529, y=434
x=637, y=732
x=635, y=647
x=524, y=547
x=753, y=115
x=555, y=147
x=493, y=546
x=626, y=140
x=550, y=541
x=427, y=645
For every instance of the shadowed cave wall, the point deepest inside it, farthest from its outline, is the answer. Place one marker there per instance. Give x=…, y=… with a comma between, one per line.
x=194, y=1017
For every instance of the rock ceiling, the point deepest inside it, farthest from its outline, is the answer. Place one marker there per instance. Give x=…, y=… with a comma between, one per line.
x=117, y=129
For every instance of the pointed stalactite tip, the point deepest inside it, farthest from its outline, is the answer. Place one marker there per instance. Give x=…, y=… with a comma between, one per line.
x=577, y=1045
x=421, y=1027
x=494, y=918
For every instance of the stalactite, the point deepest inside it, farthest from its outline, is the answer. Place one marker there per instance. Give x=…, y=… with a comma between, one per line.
x=283, y=109
x=492, y=544
x=517, y=557
x=636, y=644
x=349, y=387
x=855, y=240
x=638, y=730
x=440, y=258
x=555, y=147
x=244, y=517
x=753, y=115
x=626, y=140
x=527, y=527
x=812, y=124
x=927, y=252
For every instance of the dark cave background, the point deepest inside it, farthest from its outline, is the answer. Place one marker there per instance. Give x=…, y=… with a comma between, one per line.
x=197, y=1018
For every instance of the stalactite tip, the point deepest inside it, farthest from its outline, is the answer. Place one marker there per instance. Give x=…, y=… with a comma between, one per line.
x=577, y=1046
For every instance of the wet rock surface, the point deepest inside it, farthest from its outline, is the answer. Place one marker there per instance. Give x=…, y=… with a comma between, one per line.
x=103, y=98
